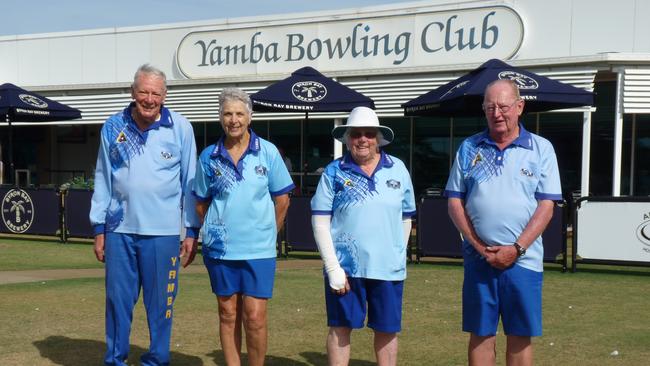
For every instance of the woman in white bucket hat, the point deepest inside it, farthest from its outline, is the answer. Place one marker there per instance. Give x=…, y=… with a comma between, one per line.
x=361, y=220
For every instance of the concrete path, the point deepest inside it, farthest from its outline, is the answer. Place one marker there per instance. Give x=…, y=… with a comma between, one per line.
x=7, y=277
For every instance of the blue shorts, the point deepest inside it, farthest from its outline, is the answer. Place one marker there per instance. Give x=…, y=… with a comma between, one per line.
x=515, y=294
x=384, y=299
x=252, y=277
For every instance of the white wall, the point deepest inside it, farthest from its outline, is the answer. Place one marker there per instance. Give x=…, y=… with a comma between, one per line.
x=552, y=28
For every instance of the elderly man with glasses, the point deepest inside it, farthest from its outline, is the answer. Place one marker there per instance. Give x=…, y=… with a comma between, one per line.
x=501, y=192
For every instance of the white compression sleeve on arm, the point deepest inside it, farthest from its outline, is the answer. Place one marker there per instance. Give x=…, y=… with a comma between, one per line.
x=321, y=227
x=406, y=224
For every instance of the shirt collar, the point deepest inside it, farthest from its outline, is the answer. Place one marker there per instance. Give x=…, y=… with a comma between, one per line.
x=164, y=121
x=347, y=163
x=525, y=139
x=220, y=150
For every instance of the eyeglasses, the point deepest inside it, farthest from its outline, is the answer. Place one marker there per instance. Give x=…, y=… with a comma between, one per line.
x=368, y=134
x=491, y=108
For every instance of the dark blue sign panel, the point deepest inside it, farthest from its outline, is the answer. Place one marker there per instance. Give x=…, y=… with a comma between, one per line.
x=299, y=234
x=29, y=211
x=437, y=235
x=77, y=207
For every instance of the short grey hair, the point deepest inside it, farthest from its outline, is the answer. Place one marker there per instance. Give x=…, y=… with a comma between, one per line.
x=235, y=94
x=346, y=137
x=148, y=69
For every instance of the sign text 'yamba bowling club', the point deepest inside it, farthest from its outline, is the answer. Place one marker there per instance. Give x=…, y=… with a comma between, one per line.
x=423, y=39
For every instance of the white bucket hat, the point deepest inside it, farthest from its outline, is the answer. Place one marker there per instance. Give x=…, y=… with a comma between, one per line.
x=364, y=117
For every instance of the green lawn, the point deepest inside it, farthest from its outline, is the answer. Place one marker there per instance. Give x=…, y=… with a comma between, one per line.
x=587, y=316
x=45, y=253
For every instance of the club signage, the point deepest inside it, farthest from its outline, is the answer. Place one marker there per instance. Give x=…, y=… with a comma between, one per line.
x=409, y=40
x=17, y=211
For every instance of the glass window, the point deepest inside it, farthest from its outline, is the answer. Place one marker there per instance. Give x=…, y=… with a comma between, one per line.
x=318, y=152
x=465, y=127
x=640, y=171
x=286, y=136
x=401, y=145
x=602, y=140
x=206, y=134
x=431, y=154
x=564, y=131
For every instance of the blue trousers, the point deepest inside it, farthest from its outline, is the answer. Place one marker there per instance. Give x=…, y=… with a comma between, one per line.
x=134, y=262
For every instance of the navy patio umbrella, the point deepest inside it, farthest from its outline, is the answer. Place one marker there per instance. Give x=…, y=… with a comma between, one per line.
x=20, y=105
x=307, y=90
x=464, y=96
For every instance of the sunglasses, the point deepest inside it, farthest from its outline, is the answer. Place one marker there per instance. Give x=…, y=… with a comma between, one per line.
x=367, y=134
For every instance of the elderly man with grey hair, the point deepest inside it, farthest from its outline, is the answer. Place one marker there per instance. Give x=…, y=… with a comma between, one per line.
x=143, y=178
x=501, y=192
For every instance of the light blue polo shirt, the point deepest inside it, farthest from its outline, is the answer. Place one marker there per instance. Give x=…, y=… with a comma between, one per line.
x=501, y=187
x=240, y=222
x=143, y=179
x=367, y=214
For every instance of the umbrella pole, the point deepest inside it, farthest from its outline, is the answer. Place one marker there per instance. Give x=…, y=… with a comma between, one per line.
x=632, y=154
x=11, y=151
x=303, y=171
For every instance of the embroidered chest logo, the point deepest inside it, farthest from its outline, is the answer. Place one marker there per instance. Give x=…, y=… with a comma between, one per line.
x=394, y=184
x=526, y=172
x=261, y=170
x=121, y=137
x=476, y=159
x=348, y=183
x=166, y=155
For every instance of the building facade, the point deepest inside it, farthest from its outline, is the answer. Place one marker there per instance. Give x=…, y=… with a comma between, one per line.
x=390, y=53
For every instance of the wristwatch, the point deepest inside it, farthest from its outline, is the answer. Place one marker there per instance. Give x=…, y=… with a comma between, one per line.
x=521, y=251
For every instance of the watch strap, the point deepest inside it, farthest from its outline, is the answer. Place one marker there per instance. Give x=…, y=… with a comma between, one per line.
x=521, y=251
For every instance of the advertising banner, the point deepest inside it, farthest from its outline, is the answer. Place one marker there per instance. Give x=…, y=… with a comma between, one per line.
x=613, y=230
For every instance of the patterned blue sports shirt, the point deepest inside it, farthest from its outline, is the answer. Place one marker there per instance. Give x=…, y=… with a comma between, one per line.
x=240, y=222
x=367, y=214
x=142, y=179
x=501, y=187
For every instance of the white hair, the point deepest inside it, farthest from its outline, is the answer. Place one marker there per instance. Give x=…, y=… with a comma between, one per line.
x=235, y=94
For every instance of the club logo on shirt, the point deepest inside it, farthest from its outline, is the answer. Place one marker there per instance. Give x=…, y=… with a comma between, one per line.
x=121, y=137
x=392, y=183
x=348, y=183
x=260, y=170
x=476, y=159
x=526, y=172
x=166, y=155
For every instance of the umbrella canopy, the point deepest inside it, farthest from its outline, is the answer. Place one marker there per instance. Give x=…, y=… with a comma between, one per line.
x=307, y=90
x=464, y=96
x=20, y=105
